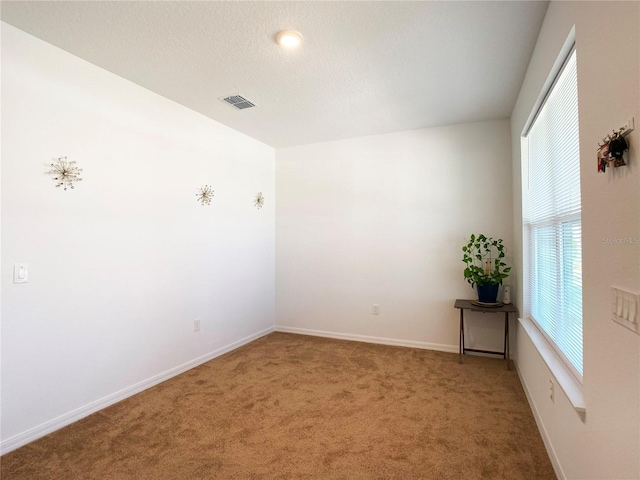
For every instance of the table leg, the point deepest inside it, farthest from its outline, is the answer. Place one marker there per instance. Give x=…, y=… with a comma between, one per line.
x=506, y=338
x=461, y=335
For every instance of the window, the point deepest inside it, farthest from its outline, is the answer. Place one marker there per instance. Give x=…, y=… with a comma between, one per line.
x=552, y=228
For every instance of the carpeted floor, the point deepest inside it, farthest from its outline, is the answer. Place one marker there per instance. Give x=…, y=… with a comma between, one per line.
x=293, y=406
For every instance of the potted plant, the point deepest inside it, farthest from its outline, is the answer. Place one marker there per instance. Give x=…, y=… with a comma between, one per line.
x=485, y=268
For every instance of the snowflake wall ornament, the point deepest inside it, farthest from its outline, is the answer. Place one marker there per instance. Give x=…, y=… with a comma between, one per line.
x=259, y=200
x=205, y=195
x=64, y=172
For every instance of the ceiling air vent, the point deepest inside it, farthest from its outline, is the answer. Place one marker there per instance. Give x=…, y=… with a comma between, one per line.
x=238, y=101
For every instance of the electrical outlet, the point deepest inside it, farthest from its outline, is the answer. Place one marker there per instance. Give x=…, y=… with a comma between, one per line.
x=376, y=310
x=552, y=391
x=196, y=325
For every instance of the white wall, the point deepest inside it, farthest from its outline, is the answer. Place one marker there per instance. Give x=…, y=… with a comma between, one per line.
x=607, y=444
x=382, y=220
x=121, y=266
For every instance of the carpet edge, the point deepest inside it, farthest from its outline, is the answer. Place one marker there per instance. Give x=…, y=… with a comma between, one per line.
x=50, y=426
x=368, y=339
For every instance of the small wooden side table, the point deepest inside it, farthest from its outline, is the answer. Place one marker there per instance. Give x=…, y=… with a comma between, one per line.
x=463, y=305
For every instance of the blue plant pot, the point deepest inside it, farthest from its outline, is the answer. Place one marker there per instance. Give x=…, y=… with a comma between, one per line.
x=487, y=293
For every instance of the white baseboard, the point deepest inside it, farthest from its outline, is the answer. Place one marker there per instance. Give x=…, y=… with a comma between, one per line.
x=543, y=431
x=365, y=338
x=46, y=428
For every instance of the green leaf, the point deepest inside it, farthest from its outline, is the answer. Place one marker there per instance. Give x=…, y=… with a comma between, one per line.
x=478, y=249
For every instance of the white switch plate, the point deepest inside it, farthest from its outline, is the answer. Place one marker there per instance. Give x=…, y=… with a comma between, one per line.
x=624, y=309
x=196, y=325
x=20, y=273
x=376, y=310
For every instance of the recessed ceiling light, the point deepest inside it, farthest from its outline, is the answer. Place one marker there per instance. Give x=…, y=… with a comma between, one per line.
x=289, y=38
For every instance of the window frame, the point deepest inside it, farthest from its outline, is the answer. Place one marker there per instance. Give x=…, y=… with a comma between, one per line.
x=527, y=263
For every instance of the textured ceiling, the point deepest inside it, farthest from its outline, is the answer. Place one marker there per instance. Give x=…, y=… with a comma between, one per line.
x=364, y=68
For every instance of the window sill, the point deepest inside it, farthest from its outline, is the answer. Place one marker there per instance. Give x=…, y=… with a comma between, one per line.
x=569, y=384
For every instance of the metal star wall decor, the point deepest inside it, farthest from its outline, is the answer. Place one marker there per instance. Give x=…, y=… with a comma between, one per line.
x=205, y=195
x=259, y=200
x=66, y=173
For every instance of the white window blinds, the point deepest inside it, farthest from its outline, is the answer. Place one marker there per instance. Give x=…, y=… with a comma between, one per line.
x=552, y=225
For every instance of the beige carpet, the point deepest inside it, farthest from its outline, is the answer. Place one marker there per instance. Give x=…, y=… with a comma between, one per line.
x=293, y=406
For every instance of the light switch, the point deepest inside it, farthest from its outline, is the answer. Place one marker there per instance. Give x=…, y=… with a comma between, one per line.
x=20, y=273
x=618, y=305
x=624, y=309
